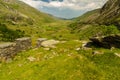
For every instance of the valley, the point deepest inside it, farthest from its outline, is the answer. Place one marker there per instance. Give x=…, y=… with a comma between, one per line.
x=69, y=58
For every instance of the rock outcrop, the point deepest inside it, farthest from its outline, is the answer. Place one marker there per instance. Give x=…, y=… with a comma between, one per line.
x=39, y=41
x=110, y=13
x=106, y=41
x=107, y=15
x=23, y=44
x=9, y=50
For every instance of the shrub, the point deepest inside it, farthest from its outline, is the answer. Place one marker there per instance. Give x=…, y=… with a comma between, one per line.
x=8, y=34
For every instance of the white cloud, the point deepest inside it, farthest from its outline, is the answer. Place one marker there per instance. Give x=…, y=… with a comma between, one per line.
x=72, y=4
x=66, y=8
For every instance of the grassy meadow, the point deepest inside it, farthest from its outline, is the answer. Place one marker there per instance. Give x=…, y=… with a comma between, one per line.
x=69, y=60
x=63, y=63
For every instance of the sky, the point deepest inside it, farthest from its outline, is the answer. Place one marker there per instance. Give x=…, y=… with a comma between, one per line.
x=65, y=8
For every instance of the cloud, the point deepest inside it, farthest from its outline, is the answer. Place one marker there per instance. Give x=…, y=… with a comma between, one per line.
x=72, y=4
x=79, y=6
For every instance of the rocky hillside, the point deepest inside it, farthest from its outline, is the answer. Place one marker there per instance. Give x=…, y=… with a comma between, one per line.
x=16, y=12
x=99, y=22
x=21, y=18
x=108, y=14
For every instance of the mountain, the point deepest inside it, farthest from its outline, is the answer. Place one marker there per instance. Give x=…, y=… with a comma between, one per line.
x=16, y=12
x=99, y=22
x=108, y=14
x=89, y=16
x=18, y=17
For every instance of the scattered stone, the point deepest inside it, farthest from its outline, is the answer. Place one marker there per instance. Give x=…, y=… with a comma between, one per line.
x=84, y=43
x=97, y=52
x=39, y=41
x=31, y=59
x=112, y=48
x=86, y=48
x=63, y=41
x=77, y=49
x=47, y=49
x=20, y=65
x=49, y=43
x=117, y=54
x=77, y=40
x=35, y=49
x=45, y=57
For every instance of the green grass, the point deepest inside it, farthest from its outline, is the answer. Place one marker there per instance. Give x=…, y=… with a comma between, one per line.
x=62, y=63
x=86, y=31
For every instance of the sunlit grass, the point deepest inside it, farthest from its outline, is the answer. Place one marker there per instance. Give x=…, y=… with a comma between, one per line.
x=62, y=63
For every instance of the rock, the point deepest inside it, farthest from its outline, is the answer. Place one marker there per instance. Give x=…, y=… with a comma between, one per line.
x=39, y=41
x=20, y=65
x=106, y=41
x=77, y=49
x=31, y=59
x=86, y=48
x=112, y=48
x=117, y=54
x=63, y=41
x=86, y=45
x=23, y=44
x=7, y=51
x=49, y=43
x=97, y=52
x=47, y=49
x=109, y=13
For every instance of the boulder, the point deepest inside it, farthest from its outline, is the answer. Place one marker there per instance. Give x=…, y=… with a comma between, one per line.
x=49, y=43
x=39, y=41
x=7, y=51
x=23, y=44
x=106, y=41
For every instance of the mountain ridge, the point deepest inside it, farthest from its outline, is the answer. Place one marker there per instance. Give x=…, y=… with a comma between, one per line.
x=99, y=22
x=107, y=15
x=18, y=16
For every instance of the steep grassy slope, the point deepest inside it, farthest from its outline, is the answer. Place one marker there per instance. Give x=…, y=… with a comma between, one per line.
x=18, y=12
x=108, y=14
x=88, y=17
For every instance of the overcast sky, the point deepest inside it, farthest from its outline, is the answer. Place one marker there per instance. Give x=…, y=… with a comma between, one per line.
x=65, y=8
